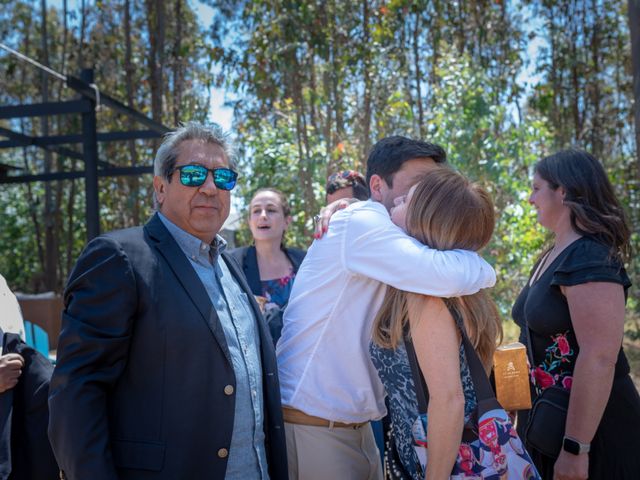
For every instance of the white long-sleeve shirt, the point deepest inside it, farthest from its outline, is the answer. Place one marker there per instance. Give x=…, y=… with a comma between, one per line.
x=323, y=354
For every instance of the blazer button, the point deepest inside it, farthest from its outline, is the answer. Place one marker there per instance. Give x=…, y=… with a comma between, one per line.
x=223, y=453
x=228, y=390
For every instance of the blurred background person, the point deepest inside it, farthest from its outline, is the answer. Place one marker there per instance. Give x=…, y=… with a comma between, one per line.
x=269, y=266
x=573, y=309
x=346, y=184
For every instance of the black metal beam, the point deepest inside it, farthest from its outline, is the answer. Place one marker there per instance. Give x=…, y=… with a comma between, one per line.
x=49, y=177
x=45, y=109
x=23, y=140
x=102, y=137
x=90, y=153
x=85, y=89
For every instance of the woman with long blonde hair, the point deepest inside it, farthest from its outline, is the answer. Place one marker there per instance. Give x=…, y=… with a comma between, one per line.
x=445, y=211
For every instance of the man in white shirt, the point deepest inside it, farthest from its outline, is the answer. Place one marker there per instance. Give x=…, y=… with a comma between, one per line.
x=330, y=389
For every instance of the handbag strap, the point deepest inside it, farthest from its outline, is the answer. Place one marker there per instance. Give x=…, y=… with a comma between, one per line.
x=422, y=391
x=481, y=383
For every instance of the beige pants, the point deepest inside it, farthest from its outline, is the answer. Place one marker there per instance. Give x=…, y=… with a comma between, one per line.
x=323, y=453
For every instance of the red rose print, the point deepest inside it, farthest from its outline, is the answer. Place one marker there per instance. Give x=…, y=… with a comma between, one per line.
x=563, y=345
x=567, y=382
x=543, y=379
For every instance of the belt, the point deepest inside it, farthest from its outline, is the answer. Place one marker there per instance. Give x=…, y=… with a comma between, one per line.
x=291, y=415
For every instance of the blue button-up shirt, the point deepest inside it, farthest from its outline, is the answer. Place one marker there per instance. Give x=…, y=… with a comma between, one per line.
x=247, y=456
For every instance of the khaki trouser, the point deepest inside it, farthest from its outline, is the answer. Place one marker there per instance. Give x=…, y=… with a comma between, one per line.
x=323, y=453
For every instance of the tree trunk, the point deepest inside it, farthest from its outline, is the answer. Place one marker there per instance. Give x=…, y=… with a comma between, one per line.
x=177, y=65
x=597, y=135
x=50, y=244
x=416, y=60
x=634, y=28
x=313, y=88
x=61, y=122
x=366, y=114
x=134, y=185
x=156, y=26
x=83, y=28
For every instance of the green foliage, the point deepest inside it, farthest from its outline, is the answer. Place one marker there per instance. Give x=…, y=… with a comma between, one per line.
x=51, y=225
x=486, y=142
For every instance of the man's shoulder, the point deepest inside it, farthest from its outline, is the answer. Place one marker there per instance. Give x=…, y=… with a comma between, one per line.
x=124, y=234
x=128, y=240
x=367, y=214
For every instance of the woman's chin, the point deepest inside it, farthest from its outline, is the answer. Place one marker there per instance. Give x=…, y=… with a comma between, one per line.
x=266, y=236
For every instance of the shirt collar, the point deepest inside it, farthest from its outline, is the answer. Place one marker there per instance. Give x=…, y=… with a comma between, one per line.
x=192, y=246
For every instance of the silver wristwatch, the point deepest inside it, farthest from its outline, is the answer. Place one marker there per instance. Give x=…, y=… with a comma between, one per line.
x=573, y=446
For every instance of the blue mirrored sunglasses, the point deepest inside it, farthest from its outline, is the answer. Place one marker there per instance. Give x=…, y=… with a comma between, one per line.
x=196, y=175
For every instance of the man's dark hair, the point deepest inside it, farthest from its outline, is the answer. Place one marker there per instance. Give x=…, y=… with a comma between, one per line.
x=389, y=154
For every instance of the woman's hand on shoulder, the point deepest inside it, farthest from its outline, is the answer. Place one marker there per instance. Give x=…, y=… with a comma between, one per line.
x=321, y=221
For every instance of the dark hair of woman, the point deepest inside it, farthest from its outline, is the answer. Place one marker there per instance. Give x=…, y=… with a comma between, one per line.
x=595, y=210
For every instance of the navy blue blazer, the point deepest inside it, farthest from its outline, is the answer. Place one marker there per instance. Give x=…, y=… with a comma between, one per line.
x=247, y=257
x=141, y=387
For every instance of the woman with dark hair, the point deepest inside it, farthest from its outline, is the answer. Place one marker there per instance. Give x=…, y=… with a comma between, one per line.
x=572, y=311
x=269, y=266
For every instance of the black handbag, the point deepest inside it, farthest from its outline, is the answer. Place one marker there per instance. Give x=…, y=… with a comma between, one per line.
x=548, y=416
x=547, y=419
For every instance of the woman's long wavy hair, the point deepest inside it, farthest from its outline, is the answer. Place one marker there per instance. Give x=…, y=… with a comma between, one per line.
x=595, y=210
x=446, y=212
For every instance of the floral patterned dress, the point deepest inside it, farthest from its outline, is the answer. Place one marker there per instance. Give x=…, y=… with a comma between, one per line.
x=542, y=310
x=277, y=291
x=395, y=373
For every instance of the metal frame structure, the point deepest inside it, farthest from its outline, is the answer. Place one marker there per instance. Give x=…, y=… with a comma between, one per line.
x=90, y=98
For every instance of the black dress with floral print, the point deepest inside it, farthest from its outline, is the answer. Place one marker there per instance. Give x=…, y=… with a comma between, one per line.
x=542, y=313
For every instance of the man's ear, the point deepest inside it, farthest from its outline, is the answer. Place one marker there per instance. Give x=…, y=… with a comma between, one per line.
x=159, y=188
x=375, y=185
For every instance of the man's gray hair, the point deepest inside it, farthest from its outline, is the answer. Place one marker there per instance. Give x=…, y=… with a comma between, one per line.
x=167, y=155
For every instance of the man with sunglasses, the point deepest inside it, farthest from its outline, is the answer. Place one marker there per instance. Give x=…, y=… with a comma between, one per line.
x=165, y=369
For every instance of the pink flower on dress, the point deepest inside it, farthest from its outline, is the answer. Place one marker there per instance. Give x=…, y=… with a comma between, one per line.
x=567, y=382
x=563, y=345
x=543, y=379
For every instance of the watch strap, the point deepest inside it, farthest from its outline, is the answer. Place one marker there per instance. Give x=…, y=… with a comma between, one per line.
x=573, y=446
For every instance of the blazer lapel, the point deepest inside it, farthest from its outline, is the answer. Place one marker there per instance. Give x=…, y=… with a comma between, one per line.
x=188, y=278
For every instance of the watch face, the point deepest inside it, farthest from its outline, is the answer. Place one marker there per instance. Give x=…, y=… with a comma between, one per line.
x=571, y=446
